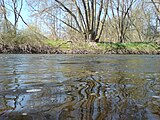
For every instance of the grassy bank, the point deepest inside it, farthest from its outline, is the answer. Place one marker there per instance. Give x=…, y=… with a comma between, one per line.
x=105, y=47
x=130, y=48
x=35, y=43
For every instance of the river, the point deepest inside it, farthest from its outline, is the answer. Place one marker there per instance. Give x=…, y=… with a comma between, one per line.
x=79, y=87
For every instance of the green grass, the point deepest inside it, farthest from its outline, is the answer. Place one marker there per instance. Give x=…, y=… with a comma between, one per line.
x=131, y=46
x=148, y=47
x=61, y=44
x=142, y=46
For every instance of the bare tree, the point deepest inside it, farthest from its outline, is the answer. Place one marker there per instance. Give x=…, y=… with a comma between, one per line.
x=156, y=4
x=44, y=12
x=15, y=8
x=121, y=10
x=5, y=21
x=89, y=18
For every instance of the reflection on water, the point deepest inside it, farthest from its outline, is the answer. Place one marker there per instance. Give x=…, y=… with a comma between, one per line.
x=79, y=87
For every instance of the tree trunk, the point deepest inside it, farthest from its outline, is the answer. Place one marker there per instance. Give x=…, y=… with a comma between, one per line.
x=88, y=17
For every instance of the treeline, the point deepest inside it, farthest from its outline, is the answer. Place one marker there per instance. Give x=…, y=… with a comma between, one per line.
x=80, y=20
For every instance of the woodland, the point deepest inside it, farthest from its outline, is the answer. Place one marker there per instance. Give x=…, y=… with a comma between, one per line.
x=80, y=26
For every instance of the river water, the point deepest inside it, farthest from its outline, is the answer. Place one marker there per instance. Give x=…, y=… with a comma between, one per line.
x=79, y=87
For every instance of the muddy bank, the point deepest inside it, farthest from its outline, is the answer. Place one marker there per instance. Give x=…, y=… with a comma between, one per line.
x=126, y=51
x=44, y=49
x=26, y=49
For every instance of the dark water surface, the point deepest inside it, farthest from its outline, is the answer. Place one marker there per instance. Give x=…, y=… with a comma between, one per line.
x=79, y=87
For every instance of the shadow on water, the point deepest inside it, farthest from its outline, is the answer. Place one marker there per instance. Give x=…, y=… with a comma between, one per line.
x=79, y=87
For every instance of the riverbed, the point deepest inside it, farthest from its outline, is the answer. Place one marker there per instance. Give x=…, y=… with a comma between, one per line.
x=79, y=87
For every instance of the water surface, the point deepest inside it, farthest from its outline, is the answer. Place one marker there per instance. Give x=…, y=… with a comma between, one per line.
x=79, y=87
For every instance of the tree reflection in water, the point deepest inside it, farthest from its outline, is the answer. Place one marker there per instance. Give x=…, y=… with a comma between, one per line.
x=108, y=89
x=87, y=99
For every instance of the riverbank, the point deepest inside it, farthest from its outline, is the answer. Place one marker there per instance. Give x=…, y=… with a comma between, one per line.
x=52, y=47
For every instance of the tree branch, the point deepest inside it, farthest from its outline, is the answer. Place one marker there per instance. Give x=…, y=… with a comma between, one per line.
x=71, y=13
